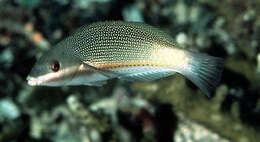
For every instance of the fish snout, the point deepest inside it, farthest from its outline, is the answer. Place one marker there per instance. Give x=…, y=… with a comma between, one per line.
x=32, y=81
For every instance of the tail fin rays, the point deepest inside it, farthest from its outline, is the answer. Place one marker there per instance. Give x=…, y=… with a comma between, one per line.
x=204, y=71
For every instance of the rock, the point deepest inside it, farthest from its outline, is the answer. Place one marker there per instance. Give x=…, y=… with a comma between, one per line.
x=8, y=109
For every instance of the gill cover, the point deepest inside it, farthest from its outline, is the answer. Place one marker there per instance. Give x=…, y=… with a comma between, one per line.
x=54, y=68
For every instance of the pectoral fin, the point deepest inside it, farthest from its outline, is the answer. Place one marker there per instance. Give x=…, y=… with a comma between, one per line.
x=107, y=73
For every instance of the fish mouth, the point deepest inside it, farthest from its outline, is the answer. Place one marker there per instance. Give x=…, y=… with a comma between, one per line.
x=50, y=79
x=32, y=81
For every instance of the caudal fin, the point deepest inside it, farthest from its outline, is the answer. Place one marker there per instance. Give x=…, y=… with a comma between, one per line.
x=204, y=71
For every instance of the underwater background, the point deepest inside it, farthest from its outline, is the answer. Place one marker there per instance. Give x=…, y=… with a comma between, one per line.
x=167, y=110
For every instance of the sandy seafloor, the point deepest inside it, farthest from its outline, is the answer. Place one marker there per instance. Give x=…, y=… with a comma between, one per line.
x=167, y=110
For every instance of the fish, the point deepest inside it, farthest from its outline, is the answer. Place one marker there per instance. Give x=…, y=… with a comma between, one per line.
x=130, y=51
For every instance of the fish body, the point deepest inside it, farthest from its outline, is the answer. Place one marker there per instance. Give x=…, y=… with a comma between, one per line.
x=129, y=51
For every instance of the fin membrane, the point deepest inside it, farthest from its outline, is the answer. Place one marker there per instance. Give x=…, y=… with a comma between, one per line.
x=97, y=83
x=106, y=73
x=147, y=75
x=204, y=71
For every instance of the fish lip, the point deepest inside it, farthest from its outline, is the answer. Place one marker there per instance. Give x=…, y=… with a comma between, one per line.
x=32, y=81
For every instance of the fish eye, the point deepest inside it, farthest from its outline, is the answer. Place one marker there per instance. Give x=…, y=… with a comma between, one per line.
x=55, y=66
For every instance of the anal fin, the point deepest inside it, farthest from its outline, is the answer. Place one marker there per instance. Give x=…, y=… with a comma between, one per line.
x=97, y=83
x=147, y=74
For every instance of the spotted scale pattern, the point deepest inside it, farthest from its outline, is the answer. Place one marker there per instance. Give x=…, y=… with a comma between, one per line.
x=116, y=43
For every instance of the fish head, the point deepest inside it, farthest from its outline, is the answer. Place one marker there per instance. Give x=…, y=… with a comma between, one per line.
x=55, y=67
